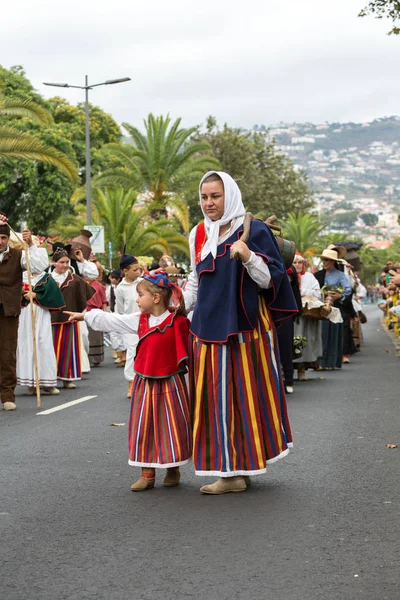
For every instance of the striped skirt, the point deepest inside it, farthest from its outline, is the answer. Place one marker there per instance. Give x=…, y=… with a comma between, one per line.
x=67, y=350
x=239, y=411
x=159, y=433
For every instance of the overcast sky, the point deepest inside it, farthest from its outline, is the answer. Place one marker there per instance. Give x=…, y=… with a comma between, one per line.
x=247, y=62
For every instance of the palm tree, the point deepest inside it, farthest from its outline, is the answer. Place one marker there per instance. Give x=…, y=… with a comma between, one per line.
x=18, y=144
x=304, y=230
x=161, y=163
x=125, y=223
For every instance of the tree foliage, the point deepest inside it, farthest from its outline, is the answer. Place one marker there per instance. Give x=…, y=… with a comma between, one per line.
x=34, y=191
x=304, y=230
x=369, y=219
x=384, y=9
x=268, y=180
x=125, y=223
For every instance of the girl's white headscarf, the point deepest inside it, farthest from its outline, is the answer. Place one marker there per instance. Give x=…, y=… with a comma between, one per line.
x=233, y=208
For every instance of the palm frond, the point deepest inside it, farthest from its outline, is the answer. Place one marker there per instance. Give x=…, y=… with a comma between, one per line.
x=18, y=144
x=25, y=108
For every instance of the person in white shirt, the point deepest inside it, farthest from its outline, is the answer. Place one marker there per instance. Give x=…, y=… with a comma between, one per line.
x=304, y=326
x=125, y=297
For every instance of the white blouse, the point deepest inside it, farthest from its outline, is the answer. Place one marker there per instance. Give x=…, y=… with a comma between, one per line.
x=59, y=277
x=255, y=266
x=309, y=286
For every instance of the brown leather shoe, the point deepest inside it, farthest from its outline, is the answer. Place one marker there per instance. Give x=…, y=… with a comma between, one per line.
x=172, y=478
x=142, y=484
x=224, y=485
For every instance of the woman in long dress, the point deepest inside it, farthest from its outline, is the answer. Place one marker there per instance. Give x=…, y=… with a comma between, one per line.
x=66, y=335
x=46, y=298
x=333, y=333
x=305, y=326
x=240, y=421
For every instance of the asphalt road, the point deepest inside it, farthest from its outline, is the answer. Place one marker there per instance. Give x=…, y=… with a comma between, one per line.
x=323, y=523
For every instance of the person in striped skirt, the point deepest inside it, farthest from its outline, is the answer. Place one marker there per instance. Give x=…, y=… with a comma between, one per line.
x=159, y=423
x=239, y=412
x=66, y=336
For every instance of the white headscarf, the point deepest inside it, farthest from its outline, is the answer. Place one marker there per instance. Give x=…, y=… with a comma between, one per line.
x=233, y=208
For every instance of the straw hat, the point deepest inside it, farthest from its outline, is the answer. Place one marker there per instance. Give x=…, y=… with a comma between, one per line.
x=333, y=252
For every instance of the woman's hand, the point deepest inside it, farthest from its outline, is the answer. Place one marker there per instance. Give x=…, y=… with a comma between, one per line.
x=74, y=317
x=335, y=296
x=28, y=295
x=242, y=250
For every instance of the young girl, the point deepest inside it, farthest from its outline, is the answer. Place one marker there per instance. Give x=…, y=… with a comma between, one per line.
x=159, y=423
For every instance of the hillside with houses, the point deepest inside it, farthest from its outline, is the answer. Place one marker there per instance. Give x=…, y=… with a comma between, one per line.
x=353, y=169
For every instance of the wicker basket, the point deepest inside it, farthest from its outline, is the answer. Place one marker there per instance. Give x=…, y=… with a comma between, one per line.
x=318, y=312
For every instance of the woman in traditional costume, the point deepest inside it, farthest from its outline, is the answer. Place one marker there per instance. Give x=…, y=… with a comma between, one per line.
x=159, y=424
x=339, y=290
x=305, y=326
x=46, y=298
x=239, y=412
x=66, y=336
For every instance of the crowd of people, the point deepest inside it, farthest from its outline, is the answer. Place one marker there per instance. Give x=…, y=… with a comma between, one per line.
x=389, y=296
x=208, y=359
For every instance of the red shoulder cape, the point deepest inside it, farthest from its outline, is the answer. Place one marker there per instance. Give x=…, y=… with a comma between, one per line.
x=162, y=350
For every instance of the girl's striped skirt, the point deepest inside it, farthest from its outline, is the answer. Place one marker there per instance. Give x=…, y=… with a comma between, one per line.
x=239, y=411
x=67, y=350
x=159, y=432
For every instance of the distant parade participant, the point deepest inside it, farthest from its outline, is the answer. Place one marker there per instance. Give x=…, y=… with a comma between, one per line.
x=98, y=300
x=78, y=252
x=46, y=297
x=126, y=295
x=66, y=335
x=117, y=340
x=159, y=424
x=12, y=265
x=305, y=326
x=285, y=333
x=339, y=290
x=240, y=421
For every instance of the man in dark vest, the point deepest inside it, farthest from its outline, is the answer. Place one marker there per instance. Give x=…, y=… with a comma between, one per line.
x=12, y=264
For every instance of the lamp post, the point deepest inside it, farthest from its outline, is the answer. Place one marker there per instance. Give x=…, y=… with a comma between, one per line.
x=88, y=87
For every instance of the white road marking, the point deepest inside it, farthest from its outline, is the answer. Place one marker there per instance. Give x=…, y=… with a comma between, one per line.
x=65, y=405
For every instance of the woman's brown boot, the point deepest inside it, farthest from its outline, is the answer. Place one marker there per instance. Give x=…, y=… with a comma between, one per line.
x=172, y=478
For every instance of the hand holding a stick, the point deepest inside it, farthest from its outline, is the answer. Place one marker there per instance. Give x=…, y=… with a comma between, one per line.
x=27, y=237
x=240, y=251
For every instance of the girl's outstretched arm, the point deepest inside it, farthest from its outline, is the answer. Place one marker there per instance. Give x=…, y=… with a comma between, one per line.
x=99, y=320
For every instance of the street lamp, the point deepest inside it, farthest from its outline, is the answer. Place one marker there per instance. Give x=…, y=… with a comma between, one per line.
x=88, y=87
